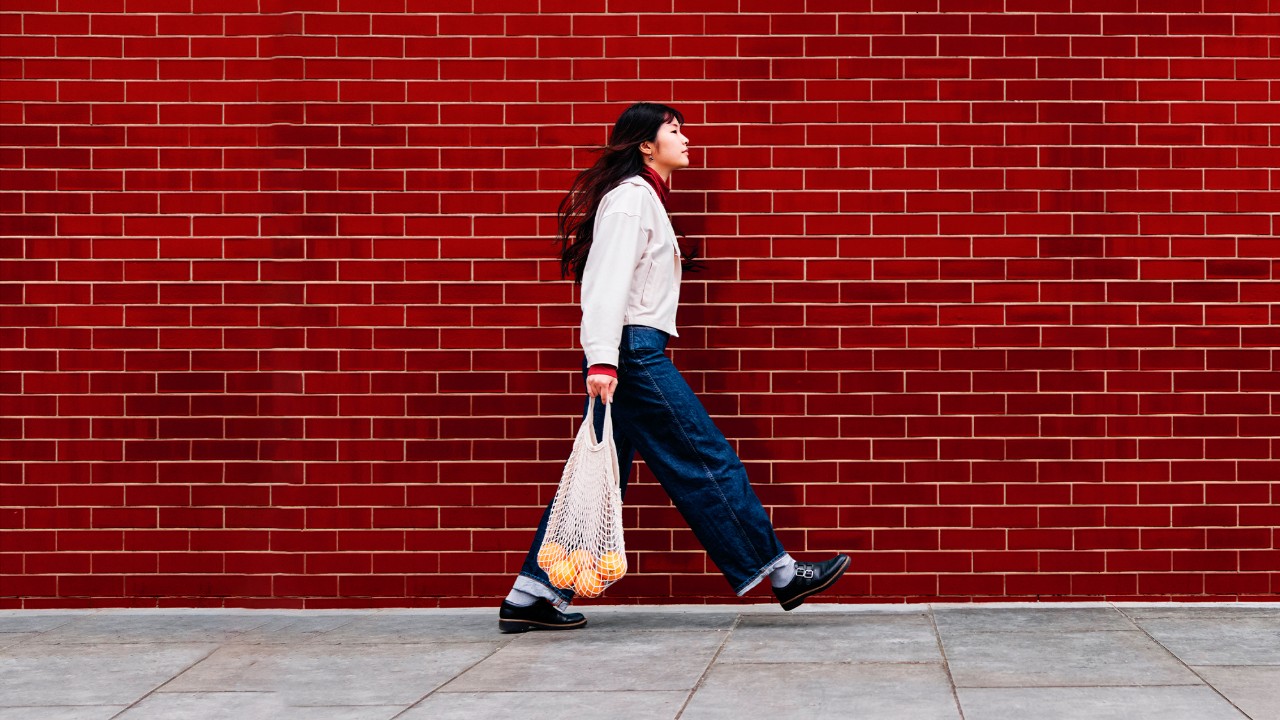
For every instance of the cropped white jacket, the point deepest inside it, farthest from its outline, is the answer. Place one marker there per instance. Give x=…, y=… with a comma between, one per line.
x=632, y=275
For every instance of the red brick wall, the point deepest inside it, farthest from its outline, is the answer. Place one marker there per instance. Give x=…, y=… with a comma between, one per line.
x=990, y=302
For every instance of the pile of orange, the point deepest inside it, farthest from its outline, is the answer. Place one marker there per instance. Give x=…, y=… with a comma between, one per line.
x=579, y=570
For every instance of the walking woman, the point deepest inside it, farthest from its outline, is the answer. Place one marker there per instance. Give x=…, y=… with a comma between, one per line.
x=618, y=241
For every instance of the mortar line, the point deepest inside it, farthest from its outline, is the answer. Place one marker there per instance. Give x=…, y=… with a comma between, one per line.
x=703, y=677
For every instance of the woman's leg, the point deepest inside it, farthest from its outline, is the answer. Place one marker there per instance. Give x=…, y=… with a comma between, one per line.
x=656, y=413
x=694, y=462
x=533, y=579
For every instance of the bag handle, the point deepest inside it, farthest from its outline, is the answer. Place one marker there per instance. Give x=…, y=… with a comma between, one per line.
x=593, y=444
x=615, y=474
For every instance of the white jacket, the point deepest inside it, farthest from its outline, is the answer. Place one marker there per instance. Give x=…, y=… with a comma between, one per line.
x=632, y=275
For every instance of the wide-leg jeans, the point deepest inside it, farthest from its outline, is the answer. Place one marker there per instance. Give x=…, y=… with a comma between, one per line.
x=656, y=413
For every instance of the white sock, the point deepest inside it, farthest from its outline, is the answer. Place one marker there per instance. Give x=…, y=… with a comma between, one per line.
x=784, y=573
x=520, y=598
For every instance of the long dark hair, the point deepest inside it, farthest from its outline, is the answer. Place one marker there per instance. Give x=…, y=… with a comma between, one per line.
x=619, y=160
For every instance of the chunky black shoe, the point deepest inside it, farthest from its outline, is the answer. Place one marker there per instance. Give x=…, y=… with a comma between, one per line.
x=811, y=578
x=541, y=615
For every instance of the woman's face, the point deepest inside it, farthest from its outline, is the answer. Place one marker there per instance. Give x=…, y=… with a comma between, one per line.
x=670, y=149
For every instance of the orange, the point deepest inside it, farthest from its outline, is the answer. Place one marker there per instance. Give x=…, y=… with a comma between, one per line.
x=582, y=560
x=562, y=574
x=549, y=554
x=612, y=566
x=588, y=584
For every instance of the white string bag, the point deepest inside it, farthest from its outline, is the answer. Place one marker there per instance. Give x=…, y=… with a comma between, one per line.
x=582, y=548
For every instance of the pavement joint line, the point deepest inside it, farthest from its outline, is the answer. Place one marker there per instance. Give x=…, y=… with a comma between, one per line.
x=702, y=678
x=39, y=634
x=171, y=678
x=1183, y=663
x=500, y=646
x=317, y=638
x=946, y=666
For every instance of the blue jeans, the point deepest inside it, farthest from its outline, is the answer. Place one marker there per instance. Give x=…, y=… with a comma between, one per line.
x=656, y=413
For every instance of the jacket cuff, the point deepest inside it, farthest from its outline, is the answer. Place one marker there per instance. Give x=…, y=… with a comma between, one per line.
x=602, y=370
x=601, y=354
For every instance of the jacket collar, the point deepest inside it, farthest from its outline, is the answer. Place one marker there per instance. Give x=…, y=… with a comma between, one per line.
x=637, y=180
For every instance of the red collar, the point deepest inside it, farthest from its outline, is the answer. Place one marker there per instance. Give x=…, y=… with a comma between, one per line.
x=660, y=186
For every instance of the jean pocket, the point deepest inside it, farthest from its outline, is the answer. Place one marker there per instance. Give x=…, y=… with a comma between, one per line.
x=643, y=337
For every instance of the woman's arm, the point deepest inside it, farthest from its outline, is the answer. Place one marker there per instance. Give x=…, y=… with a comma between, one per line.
x=619, y=243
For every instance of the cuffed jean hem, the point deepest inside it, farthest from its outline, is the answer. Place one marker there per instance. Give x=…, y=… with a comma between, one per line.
x=534, y=586
x=773, y=564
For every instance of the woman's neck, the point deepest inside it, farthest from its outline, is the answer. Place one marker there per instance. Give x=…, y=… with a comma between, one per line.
x=654, y=178
x=664, y=173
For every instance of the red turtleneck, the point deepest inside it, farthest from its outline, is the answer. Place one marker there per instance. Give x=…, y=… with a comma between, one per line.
x=660, y=186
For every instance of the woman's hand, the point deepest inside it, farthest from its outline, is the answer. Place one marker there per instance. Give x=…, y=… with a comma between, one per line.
x=602, y=385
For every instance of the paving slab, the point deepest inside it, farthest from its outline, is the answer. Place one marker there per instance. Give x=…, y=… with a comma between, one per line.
x=830, y=638
x=579, y=660
x=143, y=627
x=34, y=674
x=1255, y=690
x=630, y=619
x=1187, y=610
x=1052, y=620
x=245, y=706
x=1021, y=659
x=13, y=638
x=1245, y=640
x=68, y=712
x=818, y=691
x=1187, y=702
x=415, y=626
x=528, y=705
x=313, y=674
x=22, y=621
x=293, y=629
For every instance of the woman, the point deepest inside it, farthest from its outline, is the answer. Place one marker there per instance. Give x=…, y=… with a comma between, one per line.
x=618, y=241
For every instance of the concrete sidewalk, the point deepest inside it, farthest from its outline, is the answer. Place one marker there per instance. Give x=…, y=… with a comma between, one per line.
x=901, y=662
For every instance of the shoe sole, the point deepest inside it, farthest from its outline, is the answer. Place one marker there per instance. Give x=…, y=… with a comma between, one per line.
x=520, y=626
x=796, y=601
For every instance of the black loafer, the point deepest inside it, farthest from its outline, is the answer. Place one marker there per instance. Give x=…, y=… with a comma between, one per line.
x=811, y=578
x=541, y=615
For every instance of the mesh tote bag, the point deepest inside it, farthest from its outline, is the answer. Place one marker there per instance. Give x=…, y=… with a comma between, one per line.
x=582, y=548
